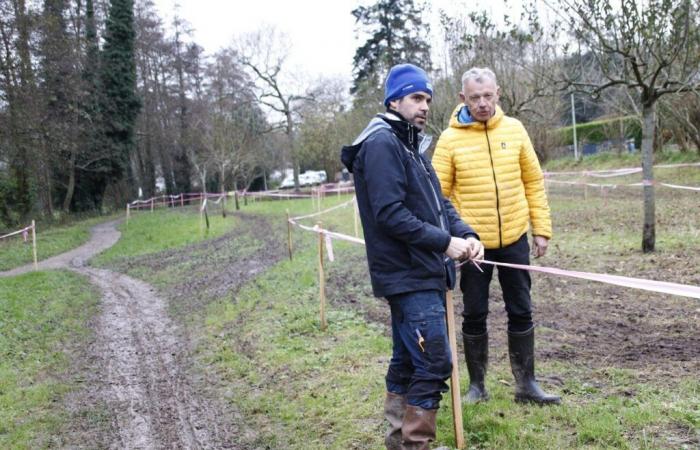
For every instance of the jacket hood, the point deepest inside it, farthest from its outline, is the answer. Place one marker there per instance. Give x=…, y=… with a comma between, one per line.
x=491, y=123
x=386, y=121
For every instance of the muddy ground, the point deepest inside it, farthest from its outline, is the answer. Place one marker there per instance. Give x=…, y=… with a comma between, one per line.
x=593, y=325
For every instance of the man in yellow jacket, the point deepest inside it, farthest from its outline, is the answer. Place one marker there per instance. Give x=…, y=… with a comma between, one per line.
x=487, y=167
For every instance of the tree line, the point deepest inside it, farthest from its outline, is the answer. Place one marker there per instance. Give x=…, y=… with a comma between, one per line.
x=102, y=100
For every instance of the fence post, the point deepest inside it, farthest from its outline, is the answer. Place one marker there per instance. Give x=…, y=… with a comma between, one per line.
x=182, y=199
x=235, y=199
x=289, y=236
x=321, y=279
x=36, y=263
x=152, y=201
x=128, y=214
x=354, y=208
x=454, y=379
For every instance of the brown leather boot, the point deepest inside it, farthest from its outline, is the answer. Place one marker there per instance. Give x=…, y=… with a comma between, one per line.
x=394, y=411
x=419, y=428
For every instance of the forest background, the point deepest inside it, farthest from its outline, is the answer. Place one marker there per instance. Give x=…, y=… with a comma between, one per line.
x=101, y=101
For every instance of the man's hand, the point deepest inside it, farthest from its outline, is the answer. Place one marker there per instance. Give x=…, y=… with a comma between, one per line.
x=539, y=246
x=458, y=248
x=476, y=249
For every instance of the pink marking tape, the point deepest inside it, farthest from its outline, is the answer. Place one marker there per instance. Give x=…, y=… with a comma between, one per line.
x=664, y=287
x=14, y=233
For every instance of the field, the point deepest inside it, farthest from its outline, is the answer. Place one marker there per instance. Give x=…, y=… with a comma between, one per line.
x=625, y=361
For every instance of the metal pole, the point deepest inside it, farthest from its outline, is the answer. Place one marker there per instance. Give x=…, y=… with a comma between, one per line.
x=573, y=126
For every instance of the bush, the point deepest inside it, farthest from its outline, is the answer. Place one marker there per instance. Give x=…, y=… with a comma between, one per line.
x=602, y=130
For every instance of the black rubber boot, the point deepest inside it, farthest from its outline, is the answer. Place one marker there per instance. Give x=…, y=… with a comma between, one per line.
x=476, y=352
x=521, y=349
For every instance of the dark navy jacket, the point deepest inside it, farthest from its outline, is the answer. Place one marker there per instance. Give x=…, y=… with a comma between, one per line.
x=406, y=220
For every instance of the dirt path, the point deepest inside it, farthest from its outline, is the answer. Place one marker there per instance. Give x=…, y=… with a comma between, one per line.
x=135, y=370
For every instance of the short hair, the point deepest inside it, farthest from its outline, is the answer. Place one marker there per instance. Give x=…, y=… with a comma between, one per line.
x=478, y=74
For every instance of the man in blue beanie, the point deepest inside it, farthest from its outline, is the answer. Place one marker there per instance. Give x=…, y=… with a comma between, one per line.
x=412, y=236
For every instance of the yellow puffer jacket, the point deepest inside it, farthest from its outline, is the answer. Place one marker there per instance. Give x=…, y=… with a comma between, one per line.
x=492, y=175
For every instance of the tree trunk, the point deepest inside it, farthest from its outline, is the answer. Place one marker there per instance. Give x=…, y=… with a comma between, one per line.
x=70, y=189
x=648, y=127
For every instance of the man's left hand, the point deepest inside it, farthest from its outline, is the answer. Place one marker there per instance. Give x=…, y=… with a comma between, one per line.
x=539, y=246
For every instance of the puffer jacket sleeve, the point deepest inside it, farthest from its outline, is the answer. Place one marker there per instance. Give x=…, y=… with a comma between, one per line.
x=387, y=184
x=533, y=180
x=443, y=165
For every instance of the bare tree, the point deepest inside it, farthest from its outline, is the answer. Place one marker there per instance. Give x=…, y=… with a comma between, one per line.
x=651, y=48
x=264, y=53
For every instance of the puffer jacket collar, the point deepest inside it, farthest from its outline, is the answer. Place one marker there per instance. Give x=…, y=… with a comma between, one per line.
x=490, y=124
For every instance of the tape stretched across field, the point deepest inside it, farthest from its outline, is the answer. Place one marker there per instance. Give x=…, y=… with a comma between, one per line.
x=637, y=283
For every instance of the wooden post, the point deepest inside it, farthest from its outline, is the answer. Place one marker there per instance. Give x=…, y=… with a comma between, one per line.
x=36, y=263
x=223, y=204
x=235, y=200
x=182, y=199
x=454, y=379
x=321, y=280
x=289, y=236
x=128, y=214
x=152, y=203
x=355, y=211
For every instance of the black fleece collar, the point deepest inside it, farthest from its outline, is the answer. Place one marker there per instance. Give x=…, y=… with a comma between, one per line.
x=404, y=130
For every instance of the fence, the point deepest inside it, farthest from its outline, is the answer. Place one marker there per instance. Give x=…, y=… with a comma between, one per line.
x=24, y=232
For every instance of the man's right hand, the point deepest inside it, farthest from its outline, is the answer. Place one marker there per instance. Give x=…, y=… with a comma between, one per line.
x=458, y=249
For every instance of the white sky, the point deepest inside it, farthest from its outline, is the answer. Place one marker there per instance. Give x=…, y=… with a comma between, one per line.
x=322, y=32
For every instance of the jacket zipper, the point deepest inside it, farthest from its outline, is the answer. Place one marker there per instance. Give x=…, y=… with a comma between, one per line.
x=495, y=183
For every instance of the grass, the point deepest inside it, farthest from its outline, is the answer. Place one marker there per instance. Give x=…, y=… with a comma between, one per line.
x=39, y=313
x=51, y=241
x=298, y=387
x=611, y=160
x=148, y=233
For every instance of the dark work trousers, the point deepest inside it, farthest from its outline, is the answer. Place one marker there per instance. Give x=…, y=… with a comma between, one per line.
x=421, y=361
x=515, y=284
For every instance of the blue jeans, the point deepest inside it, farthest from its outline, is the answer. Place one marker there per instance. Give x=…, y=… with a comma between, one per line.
x=421, y=360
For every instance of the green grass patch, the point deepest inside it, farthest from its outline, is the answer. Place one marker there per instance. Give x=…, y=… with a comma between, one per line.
x=39, y=313
x=51, y=241
x=164, y=229
x=611, y=160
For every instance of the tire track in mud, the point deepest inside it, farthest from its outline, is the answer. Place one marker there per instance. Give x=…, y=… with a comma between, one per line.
x=135, y=367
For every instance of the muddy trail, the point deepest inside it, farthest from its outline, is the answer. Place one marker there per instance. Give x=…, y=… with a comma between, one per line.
x=140, y=389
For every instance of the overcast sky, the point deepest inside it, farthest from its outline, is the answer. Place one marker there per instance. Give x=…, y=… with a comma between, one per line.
x=322, y=32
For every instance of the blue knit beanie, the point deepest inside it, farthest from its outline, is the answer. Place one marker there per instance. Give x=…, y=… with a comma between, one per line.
x=405, y=79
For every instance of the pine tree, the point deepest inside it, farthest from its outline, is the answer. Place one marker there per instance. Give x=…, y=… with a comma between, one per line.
x=396, y=31
x=120, y=103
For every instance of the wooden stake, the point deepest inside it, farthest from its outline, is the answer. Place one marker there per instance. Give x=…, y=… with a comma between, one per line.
x=151, y=204
x=36, y=263
x=321, y=280
x=289, y=236
x=128, y=214
x=354, y=208
x=454, y=379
